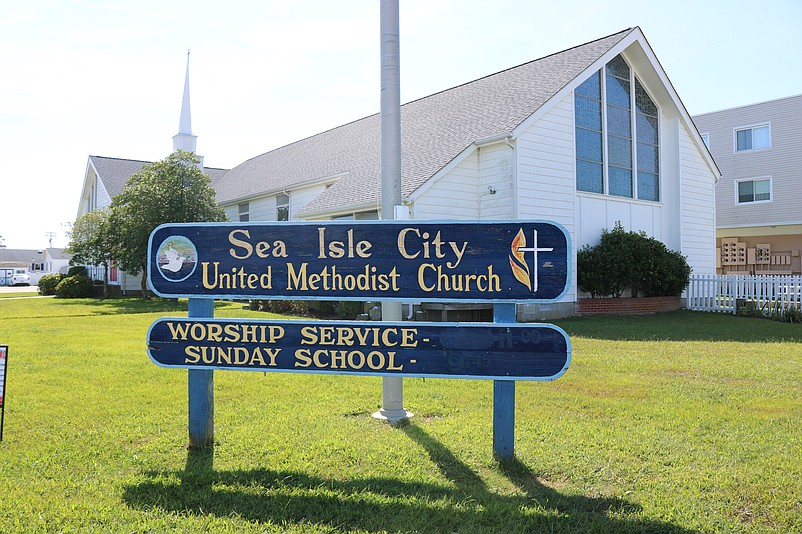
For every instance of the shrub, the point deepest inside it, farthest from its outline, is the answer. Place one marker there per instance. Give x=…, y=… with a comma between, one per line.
x=74, y=287
x=76, y=270
x=284, y=307
x=630, y=259
x=47, y=284
x=349, y=309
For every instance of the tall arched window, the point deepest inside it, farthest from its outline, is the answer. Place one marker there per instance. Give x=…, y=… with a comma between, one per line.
x=607, y=159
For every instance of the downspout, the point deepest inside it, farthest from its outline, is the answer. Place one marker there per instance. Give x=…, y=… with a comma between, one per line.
x=515, y=209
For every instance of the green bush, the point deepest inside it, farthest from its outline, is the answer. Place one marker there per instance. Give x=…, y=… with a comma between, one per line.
x=631, y=260
x=284, y=307
x=47, y=284
x=74, y=287
x=349, y=309
x=76, y=270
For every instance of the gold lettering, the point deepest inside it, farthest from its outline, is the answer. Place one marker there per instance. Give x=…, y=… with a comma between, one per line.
x=375, y=365
x=213, y=332
x=232, y=333
x=408, y=338
x=257, y=355
x=351, y=362
x=402, y=249
x=391, y=366
x=178, y=330
x=303, y=356
x=308, y=335
x=192, y=354
x=316, y=357
x=247, y=247
x=271, y=353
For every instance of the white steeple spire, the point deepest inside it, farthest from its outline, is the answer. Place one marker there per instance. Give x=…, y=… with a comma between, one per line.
x=184, y=140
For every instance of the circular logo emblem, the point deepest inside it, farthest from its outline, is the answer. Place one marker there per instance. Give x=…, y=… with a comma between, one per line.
x=176, y=258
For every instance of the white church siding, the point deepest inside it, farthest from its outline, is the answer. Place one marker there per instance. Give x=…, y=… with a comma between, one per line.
x=495, y=165
x=299, y=198
x=698, y=214
x=452, y=196
x=546, y=184
x=546, y=188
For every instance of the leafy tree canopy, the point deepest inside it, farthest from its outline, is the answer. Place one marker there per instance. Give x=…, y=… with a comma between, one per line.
x=173, y=190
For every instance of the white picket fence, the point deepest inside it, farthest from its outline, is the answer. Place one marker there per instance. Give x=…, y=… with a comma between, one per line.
x=723, y=293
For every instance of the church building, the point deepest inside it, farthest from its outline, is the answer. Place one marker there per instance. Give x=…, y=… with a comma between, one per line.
x=585, y=137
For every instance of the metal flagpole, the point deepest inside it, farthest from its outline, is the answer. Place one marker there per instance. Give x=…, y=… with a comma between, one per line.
x=392, y=387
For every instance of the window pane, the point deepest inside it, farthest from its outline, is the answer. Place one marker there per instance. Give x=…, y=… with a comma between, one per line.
x=282, y=199
x=762, y=190
x=760, y=137
x=617, y=92
x=618, y=67
x=588, y=145
x=282, y=213
x=589, y=177
x=620, y=181
x=648, y=186
x=646, y=129
x=619, y=151
x=744, y=139
x=745, y=192
x=619, y=122
x=643, y=102
x=591, y=87
x=647, y=158
x=588, y=113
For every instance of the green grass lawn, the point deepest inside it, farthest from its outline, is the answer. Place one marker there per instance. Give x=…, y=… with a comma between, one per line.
x=680, y=422
x=14, y=294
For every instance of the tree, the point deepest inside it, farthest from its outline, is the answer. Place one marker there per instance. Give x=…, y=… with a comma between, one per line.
x=2, y=242
x=173, y=190
x=93, y=241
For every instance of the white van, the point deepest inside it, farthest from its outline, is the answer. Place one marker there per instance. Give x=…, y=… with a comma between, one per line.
x=15, y=277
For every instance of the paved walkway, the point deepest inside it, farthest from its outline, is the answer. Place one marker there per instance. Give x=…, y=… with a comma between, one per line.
x=18, y=289
x=5, y=291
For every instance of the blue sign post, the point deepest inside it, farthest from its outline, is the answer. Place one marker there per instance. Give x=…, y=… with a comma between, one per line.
x=503, y=262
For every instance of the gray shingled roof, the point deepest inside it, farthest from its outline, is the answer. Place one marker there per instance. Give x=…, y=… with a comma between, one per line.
x=19, y=257
x=114, y=172
x=434, y=131
x=58, y=254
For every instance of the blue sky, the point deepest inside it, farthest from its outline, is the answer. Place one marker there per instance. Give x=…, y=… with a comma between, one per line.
x=105, y=77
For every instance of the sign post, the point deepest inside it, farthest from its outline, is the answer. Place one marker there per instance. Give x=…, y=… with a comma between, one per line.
x=504, y=397
x=200, y=385
x=392, y=408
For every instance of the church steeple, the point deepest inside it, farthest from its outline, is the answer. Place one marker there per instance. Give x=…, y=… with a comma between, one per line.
x=184, y=140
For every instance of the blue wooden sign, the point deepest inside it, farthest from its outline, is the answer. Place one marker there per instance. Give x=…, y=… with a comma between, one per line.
x=409, y=349
x=362, y=260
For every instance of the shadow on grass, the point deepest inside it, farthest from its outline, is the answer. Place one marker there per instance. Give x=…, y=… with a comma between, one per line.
x=683, y=325
x=296, y=499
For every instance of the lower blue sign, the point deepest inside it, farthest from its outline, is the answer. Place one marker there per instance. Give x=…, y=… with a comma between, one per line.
x=411, y=349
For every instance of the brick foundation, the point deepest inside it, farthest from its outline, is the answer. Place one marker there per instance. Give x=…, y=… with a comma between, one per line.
x=627, y=306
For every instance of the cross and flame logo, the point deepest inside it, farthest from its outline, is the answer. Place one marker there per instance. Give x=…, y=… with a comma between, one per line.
x=520, y=269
